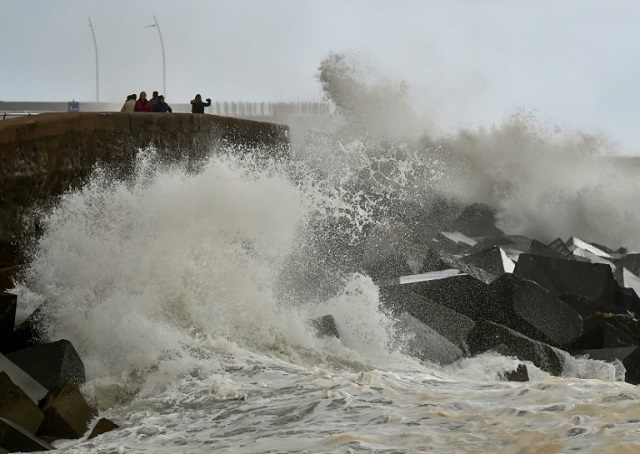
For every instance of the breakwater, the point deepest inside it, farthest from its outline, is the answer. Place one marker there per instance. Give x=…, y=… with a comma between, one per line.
x=45, y=155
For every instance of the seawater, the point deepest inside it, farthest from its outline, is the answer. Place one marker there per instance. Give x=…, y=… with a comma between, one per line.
x=187, y=293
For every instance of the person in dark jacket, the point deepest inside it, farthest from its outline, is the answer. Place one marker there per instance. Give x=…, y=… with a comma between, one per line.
x=197, y=106
x=162, y=106
x=142, y=104
x=154, y=99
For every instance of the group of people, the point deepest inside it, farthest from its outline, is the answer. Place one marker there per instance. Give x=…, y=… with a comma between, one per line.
x=158, y=104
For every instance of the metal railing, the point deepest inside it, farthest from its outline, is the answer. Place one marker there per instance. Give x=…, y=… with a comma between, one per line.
x=9, y=115
x=269, y=109
x=225, y=108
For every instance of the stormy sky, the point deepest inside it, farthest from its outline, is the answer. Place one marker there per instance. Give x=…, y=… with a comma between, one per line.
x=572, y=63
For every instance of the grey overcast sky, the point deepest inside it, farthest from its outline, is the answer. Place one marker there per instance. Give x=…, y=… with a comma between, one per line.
x=575, y=63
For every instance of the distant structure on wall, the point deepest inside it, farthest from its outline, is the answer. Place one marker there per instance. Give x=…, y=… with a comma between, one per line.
x=272, y=112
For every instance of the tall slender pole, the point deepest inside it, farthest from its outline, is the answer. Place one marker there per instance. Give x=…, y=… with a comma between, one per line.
x=164, y=73
x=95, y=46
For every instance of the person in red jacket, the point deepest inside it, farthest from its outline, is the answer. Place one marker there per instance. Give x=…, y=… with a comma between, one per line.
x=142, y=104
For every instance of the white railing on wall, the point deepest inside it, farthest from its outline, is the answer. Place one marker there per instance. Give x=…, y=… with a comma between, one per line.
x=268, y=109
x=264, y=110
x=8, y=115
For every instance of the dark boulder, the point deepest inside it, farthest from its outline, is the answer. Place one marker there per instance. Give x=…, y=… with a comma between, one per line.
x=516, y=243
x=581, y=248
x=14, y=438
x=591, y=281
x=22, y=379
x=391, y=251
x=561, y=248
x=487, y=335
x=103, y=425
x=630, y=262
x=519, y=374
x=628, y=301
x=487, y=265
x=324, y=326
x=420, y=341
x=29, y=333
x=435, y=260
x=587, y=307
x=450, y=324
x=66, y=413
x=532, y=310
x=459, y=292
x=538, y=248
x=625, y=323
x=627, y=279
x=452, y=243
x=476, y=220
x=603, y=335
x=51, y=364
x=17, y=406
x=390, y=267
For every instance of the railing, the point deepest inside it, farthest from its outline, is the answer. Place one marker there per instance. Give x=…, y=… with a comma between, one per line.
x=266, y=111
x=8, y=115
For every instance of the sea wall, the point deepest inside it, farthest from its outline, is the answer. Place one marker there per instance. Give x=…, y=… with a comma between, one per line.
x=45, y=155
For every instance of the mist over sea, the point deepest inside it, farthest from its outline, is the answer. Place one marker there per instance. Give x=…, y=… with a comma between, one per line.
x=187, y=294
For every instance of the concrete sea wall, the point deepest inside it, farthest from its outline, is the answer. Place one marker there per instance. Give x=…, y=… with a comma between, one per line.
x=45, y=155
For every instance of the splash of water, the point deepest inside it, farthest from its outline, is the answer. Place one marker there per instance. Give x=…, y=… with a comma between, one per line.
x=542, y=181
x=149, y=276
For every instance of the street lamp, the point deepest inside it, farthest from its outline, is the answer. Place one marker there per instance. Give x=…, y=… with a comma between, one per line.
x=164, y=74
x=95, y=46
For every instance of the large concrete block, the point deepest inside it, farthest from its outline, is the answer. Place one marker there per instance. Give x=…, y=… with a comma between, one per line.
x=574, y=243
x=487, y=265
x=539, y=248
x=17, y=406
x=452, y=243
x=423, y=342
x=628, y=301
x=103, y=425
x=532, y=310
x=66, y=413
x=631, y=262
x=592, y=281
x=450, y=324
x=460, y=292
x=22, y=379
x=14, y=438
x=560, y=247
x=325, y=326
x=603, y=335
x=51, y=364
x=515, y=242
x=488, y=335
x=28, y=334
x=391, y=251
x=476, y=220
x=626, y=323
x=519, y=374
x=436, y=260
x=627, y=279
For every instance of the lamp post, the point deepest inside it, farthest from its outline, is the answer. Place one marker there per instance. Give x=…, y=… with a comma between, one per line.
x=164, y=74
x=95, y=46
